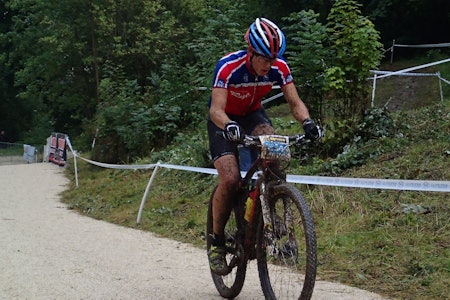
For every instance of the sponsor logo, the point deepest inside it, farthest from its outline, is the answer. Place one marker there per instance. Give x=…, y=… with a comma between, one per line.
x=220, y=83
x=239, y=95
x=289, y=78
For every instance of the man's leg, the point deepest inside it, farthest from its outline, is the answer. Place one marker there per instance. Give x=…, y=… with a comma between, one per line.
x=262, y=129
x=229, y=177
x=228, y=170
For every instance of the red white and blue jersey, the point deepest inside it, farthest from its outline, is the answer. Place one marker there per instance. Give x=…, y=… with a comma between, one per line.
x=246, y=90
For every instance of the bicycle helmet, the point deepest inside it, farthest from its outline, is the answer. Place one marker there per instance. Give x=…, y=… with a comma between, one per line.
x=265, y=38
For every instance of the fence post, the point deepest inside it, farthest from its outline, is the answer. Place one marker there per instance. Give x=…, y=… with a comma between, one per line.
x=144, y=198
x=374, y=87
x=76, y=167
x=440, y=85
x=392, y=51
x=74, y=153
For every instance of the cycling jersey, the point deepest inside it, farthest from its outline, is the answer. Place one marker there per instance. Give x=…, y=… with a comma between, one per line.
x=246, y=90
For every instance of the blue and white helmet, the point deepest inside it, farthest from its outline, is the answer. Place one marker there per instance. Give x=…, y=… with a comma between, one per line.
x=265, y=38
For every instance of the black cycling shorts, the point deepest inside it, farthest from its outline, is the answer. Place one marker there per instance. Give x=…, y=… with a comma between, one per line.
x=219, y=146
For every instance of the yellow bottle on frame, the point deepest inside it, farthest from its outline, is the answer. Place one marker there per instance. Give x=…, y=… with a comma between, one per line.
x=250, y=207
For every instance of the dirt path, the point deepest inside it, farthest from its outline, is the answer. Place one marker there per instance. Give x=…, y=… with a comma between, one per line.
x=50, y=252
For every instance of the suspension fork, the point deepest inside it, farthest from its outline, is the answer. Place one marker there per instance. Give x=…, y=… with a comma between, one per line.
x=269, y=234
x=265, y=208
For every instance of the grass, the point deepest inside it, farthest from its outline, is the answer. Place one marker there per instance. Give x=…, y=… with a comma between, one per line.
x=395, y=243
x=12, y=150
x=12, y=154
x=406, y=92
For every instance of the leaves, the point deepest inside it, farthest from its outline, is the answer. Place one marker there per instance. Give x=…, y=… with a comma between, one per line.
x=357, y=49
x=308, y=55
x=65, y=64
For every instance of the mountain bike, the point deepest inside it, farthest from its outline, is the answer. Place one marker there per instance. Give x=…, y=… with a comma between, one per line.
x=270, y=222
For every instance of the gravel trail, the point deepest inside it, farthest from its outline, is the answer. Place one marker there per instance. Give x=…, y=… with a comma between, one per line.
x=50, y=252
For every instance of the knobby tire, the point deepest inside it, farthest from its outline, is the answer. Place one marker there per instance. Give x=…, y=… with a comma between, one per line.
x=230, y=285
x=281, y=275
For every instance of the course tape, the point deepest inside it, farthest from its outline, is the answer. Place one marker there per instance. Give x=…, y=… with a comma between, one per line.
x=385, y=184
x=414, y=68
x=111, y=166
x=404, y=74
x=444, y=80
x=424, y=45
x=388, y=184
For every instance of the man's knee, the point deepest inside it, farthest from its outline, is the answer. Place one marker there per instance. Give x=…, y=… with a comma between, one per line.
x=231, y=183
x=263, y=129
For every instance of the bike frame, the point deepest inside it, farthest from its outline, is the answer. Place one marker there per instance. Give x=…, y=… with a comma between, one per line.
x=261, y=233
x=267, y=171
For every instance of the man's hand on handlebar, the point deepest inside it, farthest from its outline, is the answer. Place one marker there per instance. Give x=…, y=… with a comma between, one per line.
x=233, y=132
x=312, y=131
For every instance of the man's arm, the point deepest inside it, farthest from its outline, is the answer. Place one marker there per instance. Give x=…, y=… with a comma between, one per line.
x=298, y=108
x=217, y=109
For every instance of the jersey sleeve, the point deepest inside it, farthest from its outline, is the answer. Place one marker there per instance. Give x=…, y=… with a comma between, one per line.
x=284, y=72
x=221, y=76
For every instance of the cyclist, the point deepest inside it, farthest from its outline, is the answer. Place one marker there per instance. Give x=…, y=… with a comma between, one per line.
x=241, y=80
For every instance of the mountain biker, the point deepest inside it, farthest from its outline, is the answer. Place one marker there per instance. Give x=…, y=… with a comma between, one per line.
x=241, y=80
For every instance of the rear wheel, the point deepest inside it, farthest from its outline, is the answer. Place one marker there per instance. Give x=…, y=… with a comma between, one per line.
x=230, y=285
x=286, y=248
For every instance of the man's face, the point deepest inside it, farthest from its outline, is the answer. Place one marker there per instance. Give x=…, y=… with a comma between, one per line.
x=261, y=64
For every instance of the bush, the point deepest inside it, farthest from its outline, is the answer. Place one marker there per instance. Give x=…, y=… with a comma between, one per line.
x=376, y=125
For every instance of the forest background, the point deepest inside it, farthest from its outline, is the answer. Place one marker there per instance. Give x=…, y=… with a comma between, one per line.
x=131, y=73
x=135, y=76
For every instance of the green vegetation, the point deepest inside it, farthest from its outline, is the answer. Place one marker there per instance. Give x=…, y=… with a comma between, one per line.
x=127, y=73
x=395, y=243
x=12, y=150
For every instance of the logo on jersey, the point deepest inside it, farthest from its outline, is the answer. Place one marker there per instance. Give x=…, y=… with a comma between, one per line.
x=220, y=83
x=245, y=79
x=239, y=95
x=289, y=78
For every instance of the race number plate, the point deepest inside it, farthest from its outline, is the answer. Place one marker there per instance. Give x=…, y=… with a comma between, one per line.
x=275, y=147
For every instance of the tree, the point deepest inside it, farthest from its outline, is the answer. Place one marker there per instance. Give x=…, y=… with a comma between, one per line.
x=308, y=53
x=58, y=58
x=221, y=32
x=47, y=49
x=354, y=42
x=14, y=116
x=410, y=21
x=144, y=66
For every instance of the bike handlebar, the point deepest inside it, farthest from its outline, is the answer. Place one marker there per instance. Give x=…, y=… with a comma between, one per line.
x=254, y=140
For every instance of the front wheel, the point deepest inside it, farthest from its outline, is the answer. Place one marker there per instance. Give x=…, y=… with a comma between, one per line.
x=230, y=285
x=286, y=248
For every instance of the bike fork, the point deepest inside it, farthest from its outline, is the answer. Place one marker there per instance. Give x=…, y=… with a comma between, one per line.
x=269, y=234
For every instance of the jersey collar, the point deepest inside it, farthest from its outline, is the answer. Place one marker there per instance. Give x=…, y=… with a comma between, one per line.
x=248, y=64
